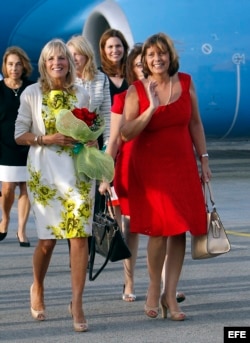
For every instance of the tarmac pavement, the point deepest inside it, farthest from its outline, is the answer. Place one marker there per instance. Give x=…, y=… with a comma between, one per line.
x=217, y=290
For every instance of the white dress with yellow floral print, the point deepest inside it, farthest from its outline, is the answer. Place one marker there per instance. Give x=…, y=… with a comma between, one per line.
x=62, y=202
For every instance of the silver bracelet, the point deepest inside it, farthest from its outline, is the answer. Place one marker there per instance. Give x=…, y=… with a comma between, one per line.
x=204, y=155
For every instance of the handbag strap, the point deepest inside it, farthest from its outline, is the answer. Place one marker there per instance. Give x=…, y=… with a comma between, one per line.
x=92, y=247
x=92, y=258
x=108, y=204
x=207, y=187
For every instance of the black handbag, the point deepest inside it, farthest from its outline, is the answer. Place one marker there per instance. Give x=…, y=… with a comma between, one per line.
x=107, y=239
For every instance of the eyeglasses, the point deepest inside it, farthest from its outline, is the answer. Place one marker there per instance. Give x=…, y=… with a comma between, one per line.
x=139, y=65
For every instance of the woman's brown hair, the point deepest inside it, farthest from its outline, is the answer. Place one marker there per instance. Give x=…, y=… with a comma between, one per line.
x=134, y=52
x=16, y=50
x=107, y=67
x=164, y=43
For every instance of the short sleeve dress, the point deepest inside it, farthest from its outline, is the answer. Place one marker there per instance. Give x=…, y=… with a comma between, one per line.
x=164, y=187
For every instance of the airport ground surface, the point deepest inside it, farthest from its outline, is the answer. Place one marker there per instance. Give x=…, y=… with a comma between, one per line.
x=217, y=290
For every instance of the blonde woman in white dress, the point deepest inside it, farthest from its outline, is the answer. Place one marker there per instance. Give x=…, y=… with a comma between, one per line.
x=61, y=200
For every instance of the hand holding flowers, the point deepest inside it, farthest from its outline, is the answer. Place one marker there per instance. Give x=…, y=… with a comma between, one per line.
x=85, y=126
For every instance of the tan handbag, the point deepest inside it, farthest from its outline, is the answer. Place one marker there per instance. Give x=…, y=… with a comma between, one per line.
x=215, y=242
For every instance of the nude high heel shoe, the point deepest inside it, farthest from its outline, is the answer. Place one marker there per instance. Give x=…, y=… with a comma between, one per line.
x=78, y=327
x=37, y=315
x=175, y=315
x=151, y=312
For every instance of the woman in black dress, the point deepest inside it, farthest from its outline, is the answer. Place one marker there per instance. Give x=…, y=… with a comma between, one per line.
x=16, y=68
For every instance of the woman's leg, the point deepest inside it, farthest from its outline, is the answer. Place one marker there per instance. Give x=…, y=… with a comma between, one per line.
x=176, y=252
x=132, y=240
x=8, y=197
x=180, y=296
x=41, y=260
x=23, y=212
x=156, y=254
x=79, y=262
x=118, y=215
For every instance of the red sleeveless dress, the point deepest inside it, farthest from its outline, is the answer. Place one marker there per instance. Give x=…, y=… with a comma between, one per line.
x=164, y=188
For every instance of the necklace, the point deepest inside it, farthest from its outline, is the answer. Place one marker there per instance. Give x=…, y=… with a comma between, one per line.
x=170, y=91
x=14, y=86
x=15, y=91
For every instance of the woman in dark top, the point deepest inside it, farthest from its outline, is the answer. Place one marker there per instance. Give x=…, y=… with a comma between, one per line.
x=16, y=68
x=113, y=54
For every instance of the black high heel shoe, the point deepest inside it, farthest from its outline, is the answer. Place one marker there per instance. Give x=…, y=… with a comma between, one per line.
x=23, y=244
x=3, y=235
x=180, y=297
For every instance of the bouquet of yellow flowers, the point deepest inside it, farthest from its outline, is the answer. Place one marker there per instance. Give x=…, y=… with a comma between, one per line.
x=85, y=126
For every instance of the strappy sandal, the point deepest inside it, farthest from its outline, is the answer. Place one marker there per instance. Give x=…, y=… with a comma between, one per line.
x=129, y=297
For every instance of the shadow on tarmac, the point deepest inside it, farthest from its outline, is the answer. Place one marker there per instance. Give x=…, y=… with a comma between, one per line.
x=217, y=290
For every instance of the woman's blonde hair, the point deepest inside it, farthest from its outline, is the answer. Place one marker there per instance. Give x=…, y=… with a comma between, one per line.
x=48, y=50
x=16, y=50
x=165, y=44
x=84, y=48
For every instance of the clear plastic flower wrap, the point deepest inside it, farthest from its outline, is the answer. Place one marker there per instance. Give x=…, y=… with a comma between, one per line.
x=90, y=161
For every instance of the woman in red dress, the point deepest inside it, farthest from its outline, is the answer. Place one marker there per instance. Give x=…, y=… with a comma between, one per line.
x=165, y=194
x=120, y=152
